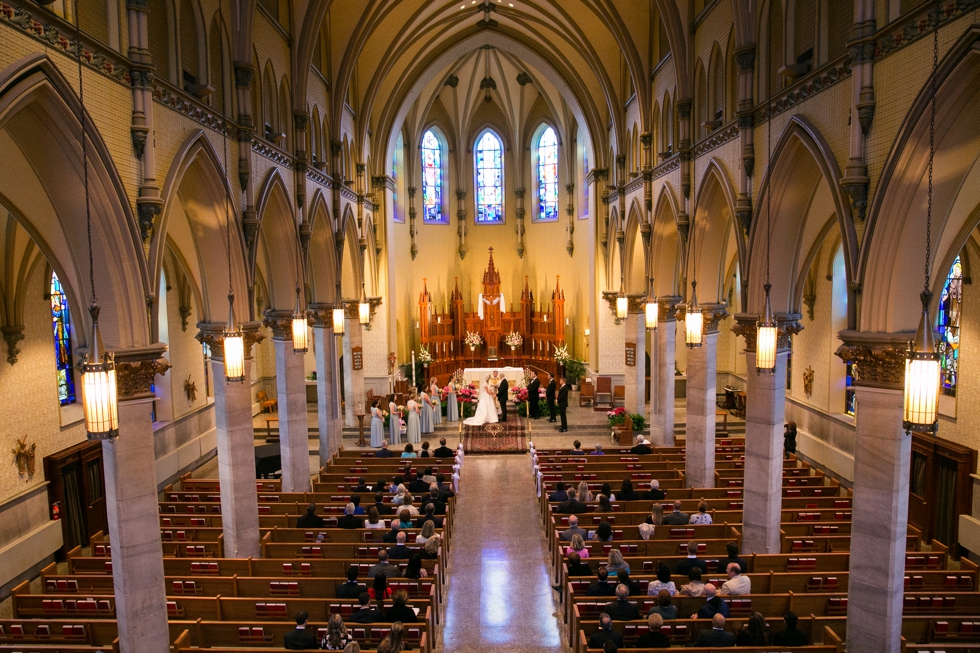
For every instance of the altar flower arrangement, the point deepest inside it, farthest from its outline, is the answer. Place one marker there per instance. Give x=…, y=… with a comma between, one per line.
x=617, y=416
x=561, y=354
x=424, y=356
x=473, y=340
x=513, y=340
x=520, y=395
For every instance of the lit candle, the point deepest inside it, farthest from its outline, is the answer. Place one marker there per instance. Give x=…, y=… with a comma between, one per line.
x=413, y=367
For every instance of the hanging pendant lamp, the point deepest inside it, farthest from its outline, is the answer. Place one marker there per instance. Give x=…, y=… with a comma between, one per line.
x=234, y=346
x=363, y=308
x=766, y=339
x=300, y=327
x=694, y=320
x=652, y=309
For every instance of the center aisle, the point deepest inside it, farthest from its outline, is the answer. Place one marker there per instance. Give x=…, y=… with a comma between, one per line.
x=500, y=595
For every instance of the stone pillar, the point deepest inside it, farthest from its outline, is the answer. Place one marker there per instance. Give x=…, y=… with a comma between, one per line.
x=353, y=379
x=329, y=419
x=131, y=507
x=882, y=452
x=636, y=332
x=294, y=430
x=236, y=448
x=662, y=373
x=701, y=369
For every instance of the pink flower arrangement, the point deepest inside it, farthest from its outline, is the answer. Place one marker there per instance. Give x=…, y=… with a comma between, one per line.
x=616, y=412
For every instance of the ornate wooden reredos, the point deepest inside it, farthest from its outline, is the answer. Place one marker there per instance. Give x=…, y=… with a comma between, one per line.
x=442, y=333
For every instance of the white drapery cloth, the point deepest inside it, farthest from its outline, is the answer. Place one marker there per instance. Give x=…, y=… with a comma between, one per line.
x=481, y=301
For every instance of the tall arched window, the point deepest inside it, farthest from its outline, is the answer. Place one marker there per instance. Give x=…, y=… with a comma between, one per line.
x=548, y=175
x=61, y=324
x=948, y=325
x=432, y=171
x=489, y=179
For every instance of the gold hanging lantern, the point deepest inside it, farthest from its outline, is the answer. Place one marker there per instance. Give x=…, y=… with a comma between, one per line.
x=922, y=378
x=364, y=309
x=766, y=339
x=301, y=340
x=99, y=390
x=338, y=320
x=694, y=320
x=652, y=313
x=234, y=347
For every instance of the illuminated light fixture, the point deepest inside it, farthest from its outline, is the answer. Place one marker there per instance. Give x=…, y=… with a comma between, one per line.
x=694, y=320
x=300, y=328
x=622, y=302
x=922, y=369
x=99, y=389
x=363, y=308
x=338, y=320
x=234, y=346
x=652, y=308
x=766, y=339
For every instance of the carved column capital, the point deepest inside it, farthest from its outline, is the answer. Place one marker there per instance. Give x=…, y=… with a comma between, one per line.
x=745, y=58
x=253, y=336
x=713, y=314
x=667, y=311
x=212, y=334
x=746, y=326
x=320, y=315
x=878, y=358
x=136, y=368
x=280, y=322
x=243, y=74
x=788, y=325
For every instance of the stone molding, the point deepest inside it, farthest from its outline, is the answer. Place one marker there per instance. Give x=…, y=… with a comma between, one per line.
x=667, y=311
x=746, y=326
x=136, y=368
x=212, y=335
x=879, y=358
x=281, y=324
x=320, y=315
x=713, y=314
x=788, y=325
x=13, y=335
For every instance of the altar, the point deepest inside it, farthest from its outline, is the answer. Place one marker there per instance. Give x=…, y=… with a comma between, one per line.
x=476, y=375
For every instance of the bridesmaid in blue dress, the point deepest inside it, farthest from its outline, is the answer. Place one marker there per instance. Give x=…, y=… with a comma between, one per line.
x=434, y=395
x=394, y=424
x=452, y=405
x=426, y=422
x=414, y=431
x=377, y=425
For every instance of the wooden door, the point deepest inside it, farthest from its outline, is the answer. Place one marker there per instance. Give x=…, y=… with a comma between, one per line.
x=77, y=484
x=940, y=488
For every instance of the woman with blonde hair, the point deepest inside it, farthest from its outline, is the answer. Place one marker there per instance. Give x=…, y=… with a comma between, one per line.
x=431, y=549
x=702, y=516
x=394, y=638
x=428, y=530
x=584, y=494
x=577, y=545
x=337, y=637
x=616, y=563
x=656, y=517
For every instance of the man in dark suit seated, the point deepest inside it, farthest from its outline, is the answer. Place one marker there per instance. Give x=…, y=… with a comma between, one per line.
x=576, y=567
x=310, y=519
x=621, y=609
x=384, y=452
x=602, y=587
x=733, y=556
x=559, y=494
x=366, y=614
x=445, y=489
x=384, y=567
x=351, y=589
x=641, y=448
x=443, y=451
x=654, y=493
x=790, y=635
x=572, y=506
x=573, y=530
x=716, y=637
x=430, y=516
x=434, y=500
x=654, y=638
x=400, y=551
x=361, y=486
x=349, y=521
x=605, y=633
x=712, y=605
x=677, y=518
x=683, y=567
x=418, y=486
x=300, y=639
x=379, y=503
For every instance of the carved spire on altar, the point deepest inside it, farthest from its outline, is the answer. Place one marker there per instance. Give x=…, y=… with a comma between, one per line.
x=491, y=276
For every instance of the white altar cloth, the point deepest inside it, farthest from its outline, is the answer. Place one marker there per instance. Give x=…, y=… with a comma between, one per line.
x=477, y=374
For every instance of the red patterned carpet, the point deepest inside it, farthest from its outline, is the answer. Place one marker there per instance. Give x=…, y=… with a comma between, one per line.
x=502, y=437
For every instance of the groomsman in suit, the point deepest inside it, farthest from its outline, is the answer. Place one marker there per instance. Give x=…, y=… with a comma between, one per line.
x=549, y=394
x=502, y=398
x=563, y=405
x=532, y=397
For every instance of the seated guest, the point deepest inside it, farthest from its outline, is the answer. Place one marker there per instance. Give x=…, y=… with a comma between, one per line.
x=602, y=586
x=409, y=451
x=379, y=503
x=414, y=568
x=712, y=605
x=401, y=495
x=310, y=519
x=374, y=519
x=431, y=549
x=604, y=504
x=418, y=486
x=702, y=516
x=732, y=549
x=559, y=494
x=621, y=609
x=430, y=511
x=692, y=560
x=717, y=636
x=351, y=589
x=428, y=530
x=694, y=586
x=392, y=535
x=605, y=633
x=597, y=451
x=602, y=533
x=400, y=551
x=443, y=451
x=337, y=637
x=641, y=448
x=356, y=500
x=407, y=505
x=577, y=448
x=653, y=638
x=428, y=476
x=379, y=590
x=300, y=639
x=656, y=516
x=405, y=517
x=394, y=642
x=583, y=492
x=349, y=520
x=366, y=614
x=445, y=490
x=616, y=563
x=433, y=499
x=425, y=451
x=607, y=490
x=400, y=610
x=408, y=474
x=754, y=632
x=572, y=506
x=626, y=491
x=623, y=578
x=361, y=486
x=790, y=635
x=384, y=451
x=383, y=566
x=654, y=493
x=677, y=518
x=572, y=530
x=663, y=582
x=353, y=647
x=382, y=485
x=736, y=583
x=663, y=607
x=576, y=567
x=577, y=546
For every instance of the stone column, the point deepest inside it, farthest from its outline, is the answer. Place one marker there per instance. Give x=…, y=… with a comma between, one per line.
x=131, y=507
x=294, y=430
x=636, y=332
x=701, y=368
x=329, y=419
x=236, y=448
x=662, y=373
x=353, y=379
x=882, y=451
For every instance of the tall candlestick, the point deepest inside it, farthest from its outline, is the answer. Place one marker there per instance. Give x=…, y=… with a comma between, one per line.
x=413, y=369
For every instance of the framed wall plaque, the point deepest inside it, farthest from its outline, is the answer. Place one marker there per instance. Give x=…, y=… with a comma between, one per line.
x=630, y=354
x=357, y=358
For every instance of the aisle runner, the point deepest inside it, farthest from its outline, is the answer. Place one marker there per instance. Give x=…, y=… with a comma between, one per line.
x=502, y=437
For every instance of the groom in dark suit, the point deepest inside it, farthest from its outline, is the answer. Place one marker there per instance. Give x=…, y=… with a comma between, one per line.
x=532, y=397
x=563, y=405
x=549, y=394
x=502, y=398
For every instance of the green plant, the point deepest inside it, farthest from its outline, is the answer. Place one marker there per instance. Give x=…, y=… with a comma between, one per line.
x=618, y=415
x=574, y=370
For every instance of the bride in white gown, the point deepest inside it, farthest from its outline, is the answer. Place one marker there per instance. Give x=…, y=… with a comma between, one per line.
x=486, y=408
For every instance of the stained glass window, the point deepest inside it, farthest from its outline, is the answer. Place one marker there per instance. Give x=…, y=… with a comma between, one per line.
x=61, y=324
x=948, y=326
x=548, y=175
x=431, y=179
x=489, y=179
x=849, y=389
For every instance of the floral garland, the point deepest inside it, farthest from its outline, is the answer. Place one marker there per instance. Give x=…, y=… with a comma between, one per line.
x=473, y=340
x=513, y=339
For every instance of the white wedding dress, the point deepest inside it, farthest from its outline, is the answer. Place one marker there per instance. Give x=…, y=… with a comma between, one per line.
x=486, y=410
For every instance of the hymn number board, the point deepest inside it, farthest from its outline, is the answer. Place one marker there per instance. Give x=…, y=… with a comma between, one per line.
x=630, y=354
x=357, y=358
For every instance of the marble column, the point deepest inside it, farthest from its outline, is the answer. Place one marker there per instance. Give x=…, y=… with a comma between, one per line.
x=353, y=379
x=294, y=430
x=882, y=452
x=662, y=373
x=236, y=448
x=131, y=507
x=636, y=332
x=329, y=420
x=701, y=369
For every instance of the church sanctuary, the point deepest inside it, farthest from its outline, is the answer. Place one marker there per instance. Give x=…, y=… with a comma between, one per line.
x=464, y=326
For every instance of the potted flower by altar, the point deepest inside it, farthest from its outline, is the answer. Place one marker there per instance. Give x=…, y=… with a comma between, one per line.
x=425, y=358
x=513, y=340
x=473, y=340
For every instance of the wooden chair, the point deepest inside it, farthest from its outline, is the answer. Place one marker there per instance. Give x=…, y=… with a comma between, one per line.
x=588, y=395
x=740, y=405
x=619, y=396
x=603, y=397
x=265, y=402
x=625, y=434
